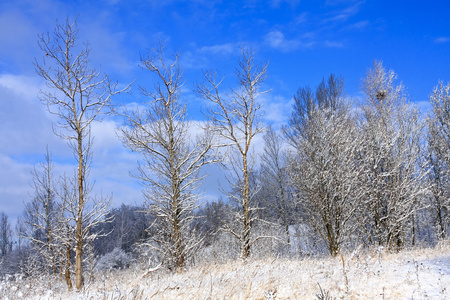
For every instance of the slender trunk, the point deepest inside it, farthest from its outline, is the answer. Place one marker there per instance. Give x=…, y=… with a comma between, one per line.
x=283, y=203
x=440, y=219
x=246, y=230
x=120, y=240
x=49, y=235
x=334, y=249
x=67, y=271
x=332, y=244
x=65, y=264
x=179, y=257
x=79, y=229
x=52, y=258
x=178, y=238
x=437, y=192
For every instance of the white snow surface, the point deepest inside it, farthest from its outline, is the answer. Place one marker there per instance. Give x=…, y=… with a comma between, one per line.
x=410, y=274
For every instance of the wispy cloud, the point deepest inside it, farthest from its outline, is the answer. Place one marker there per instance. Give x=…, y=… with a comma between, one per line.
x=301, y=18
x=222, y=49
x=442, y=40
x=193, y=60
x=326, y=29
x=333, y=44
x=277, y=3
x=276, y=40
x=338, y=2
x=344, y=14
x=361, y=25
x=201, y=57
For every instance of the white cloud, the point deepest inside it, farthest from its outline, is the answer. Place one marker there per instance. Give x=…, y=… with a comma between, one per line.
x=442, y=40
x=20, y=85
x=338, y=2
x=104, y=133
x=333, y=44
x=277, y=110
x=277, y=3
x=16, y=179
x=277, y=40
x=15, y=185
x=302, y=18
x=110, y=171
x=361, y=25
x=26, y=124
x=201, y=57
x=193, y=60
x=221, y=49
x=344, y=14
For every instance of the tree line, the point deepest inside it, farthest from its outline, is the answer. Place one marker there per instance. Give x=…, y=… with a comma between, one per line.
x=373, y=173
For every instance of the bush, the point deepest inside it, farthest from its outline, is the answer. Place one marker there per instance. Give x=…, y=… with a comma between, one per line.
x=116, y=259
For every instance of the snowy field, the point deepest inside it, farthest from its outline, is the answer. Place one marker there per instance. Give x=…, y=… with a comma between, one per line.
x=414, y=274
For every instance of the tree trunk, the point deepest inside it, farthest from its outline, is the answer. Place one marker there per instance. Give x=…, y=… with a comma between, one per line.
x=246, y=230
x=67, y=271
x=440, y=219
x=286, y=225
x=79, y=230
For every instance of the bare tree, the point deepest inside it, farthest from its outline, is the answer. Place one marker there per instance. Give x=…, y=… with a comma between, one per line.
x=274, y=179
x=173, y=156
x=65, y=233
x=329, y=94
x=40, y=214
x=20, y=230
x=78, y=95
x=303, y=109
x=394, y=175
x=5, y=234
x=237, y=119
x=438, y=137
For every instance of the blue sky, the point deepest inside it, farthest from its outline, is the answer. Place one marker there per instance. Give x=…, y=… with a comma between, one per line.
x=303, y=41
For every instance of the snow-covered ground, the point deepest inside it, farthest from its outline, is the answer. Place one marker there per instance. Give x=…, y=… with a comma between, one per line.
x=413, y=274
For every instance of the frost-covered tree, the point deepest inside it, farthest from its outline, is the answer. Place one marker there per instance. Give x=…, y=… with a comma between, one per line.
x=5, y=234
x=393, y=173
x=236, y=118
x=275, y=193
x=438, y=137
x=20, y=230
x=212, y=217
x=50, y=221
x=78, y=95
x=128, y=227
x=41, y=212
x=323, y=168
x=172, y=158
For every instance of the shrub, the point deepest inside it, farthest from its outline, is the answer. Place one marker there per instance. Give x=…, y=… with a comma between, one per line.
x=116, y=259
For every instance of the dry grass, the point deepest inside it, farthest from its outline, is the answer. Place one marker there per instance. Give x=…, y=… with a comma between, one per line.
x=418, y=274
